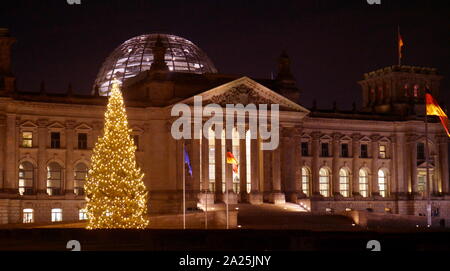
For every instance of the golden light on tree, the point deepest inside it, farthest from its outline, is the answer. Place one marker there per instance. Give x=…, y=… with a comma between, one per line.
x=116, y=194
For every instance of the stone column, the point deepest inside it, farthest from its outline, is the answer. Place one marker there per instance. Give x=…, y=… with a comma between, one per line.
x=335, y=164
x=2, y=150
x=70, y=138
x=255, y=197
x=231, y=197
x=392, y=154
x=298, y=165
x=276, y=196
x=10, y=166
x=288, y=164
x=315, y=163
x=243, y=196
x=412, y=145
x=42, y=157
x=205, y=193
x=443, y=154
x=401, y=165
x=218, y=168
x=196, y=167
x=355, y=164
x=374, y=166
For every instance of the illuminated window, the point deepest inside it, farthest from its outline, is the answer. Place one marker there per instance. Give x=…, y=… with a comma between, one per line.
x=28, y=216
x=80, y=174
x=306, y=180
x=212, y=159
x=56, y=214
x=236, y=153
x=344, y=182
x=382, y=182
x=324, y=182
x=54, y=179
x=82, y=141
x=26, y=178
x=55, y=140
x=382, y=151
x=249, y=157
x=363, y=183
x=82, y=214
x=27, y=139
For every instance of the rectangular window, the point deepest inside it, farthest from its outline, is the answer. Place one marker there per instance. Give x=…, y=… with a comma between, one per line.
x=55, y=142
x=28, y=216
x=82, y=141
x=364, y=151
x=82, y=214
x=382, y=151
x=325, y=148
x=56, y=214
x=304, y=147
x=420, y=151
x=27, y=139
x=344, y=150
x=136, y=141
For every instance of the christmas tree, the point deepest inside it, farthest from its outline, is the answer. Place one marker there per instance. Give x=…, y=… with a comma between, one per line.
x=116, y=194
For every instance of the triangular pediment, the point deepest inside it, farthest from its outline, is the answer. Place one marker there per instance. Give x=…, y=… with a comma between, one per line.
x=56, y=125
x=246, y=91
x=83, y=126
x=28, y=124
x=423, y=165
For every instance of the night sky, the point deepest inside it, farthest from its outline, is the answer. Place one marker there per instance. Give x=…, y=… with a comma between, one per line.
x=330, y=43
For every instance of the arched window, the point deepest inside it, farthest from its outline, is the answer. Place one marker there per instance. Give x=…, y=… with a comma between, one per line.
x=344, y=182
x=324, y=182
x=80, y=174
x=54, y=179
x=26, y=178
x=382, y=182
x=306, y=180
x=363, y=183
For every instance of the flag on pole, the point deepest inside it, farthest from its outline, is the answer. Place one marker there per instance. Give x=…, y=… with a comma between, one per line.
x=433, y=109
x=400, y=44
x=233, y=161
x=187, y=161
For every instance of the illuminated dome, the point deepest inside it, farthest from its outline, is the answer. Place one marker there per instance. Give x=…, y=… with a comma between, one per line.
x=136, y=55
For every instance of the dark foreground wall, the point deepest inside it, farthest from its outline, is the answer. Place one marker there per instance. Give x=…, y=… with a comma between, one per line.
x=218, y=240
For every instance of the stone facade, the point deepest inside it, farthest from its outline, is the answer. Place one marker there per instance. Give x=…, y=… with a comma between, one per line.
x=330, y=161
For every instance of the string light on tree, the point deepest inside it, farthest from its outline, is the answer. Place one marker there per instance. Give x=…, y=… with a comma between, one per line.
x=116, y=194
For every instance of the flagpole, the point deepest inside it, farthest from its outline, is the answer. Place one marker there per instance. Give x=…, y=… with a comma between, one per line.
x=399, y=48
x=206, y=207
x=226, y=187
x=428, y=171
x=184, y=188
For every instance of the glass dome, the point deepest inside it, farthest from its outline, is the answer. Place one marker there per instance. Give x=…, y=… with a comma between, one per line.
x=135, y=55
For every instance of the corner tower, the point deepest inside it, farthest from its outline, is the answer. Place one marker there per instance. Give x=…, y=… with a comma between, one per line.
x=7, y=79
x=398, y=90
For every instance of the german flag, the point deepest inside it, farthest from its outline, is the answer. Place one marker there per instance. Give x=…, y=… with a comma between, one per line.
x=433, y=109
x=400, y=44
x=233, y=161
